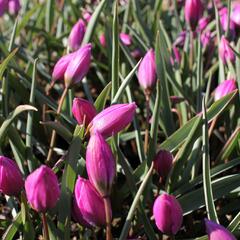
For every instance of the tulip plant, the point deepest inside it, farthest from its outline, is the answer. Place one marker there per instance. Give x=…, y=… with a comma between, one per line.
x=120, y=119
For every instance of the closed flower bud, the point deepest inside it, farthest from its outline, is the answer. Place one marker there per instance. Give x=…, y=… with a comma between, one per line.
x=102, y=40
x=168, y=214
x=206, y=38
x=126, y=39
x=14, y=7
x=180, y=40
x=163, y=163
x=61, y=67
x=202, y=24
x=3, y=6
x=235, y=15
x=223, y=13
x=176, y=56
x=83, y=111
x=225, y=52
x=11, y=181
x=147, y=75
x=88, y=205
x=100, y=164
x=225, y=88
x=87, y=16
x=78, y=66
x=42, y=189
x=76, y=35
x=193, y=12
x=217, y=232
x=113, y=119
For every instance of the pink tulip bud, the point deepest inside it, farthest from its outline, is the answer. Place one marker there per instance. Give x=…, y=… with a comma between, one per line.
x=3, y=6
x=126, y=39
x=113, y=119
x=176, y=56
x=180, y=40
x=61, y=67
x=147, y=75
x=168, y=214
x=225, y=52
x=88, y=205
x=87, y=16
x=14, y=7
x=235, y=15
x=76, y=35
x=223, y=13
x=78, y=66
x=137, y=54
x=225, y=88
x=193, y=12
x=100, y=164
x=42, y=189
x=163, y=163
x=83, y=111
x=202, y=24
x=11, y=181
x=206, y=38
x=217, y=232
x=102, y=40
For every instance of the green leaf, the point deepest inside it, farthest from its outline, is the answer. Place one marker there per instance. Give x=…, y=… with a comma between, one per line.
x=102, y=98
x=7, y=123
x=207, y=184
x=49, y=15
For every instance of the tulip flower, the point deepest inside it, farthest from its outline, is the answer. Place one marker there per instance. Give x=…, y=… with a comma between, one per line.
x=137, y=54
x=217, y=232
x=163, y=163
x=206, y=38
x=113, y=119
x=168, y=214
x=126, y=39
x=3, y=6
x=193, y=12
x=79, y=65
x=87, y=16
x=76, y=35
x=88, y=205
x=14, y=7
x=176, y=56
x=223, y=13
x=42, y=189
x=61, y=67
x=235, y=15
x=202, y=24
x=225, y=52
x=180, y=40
x=225, y=88
x=147, y=75
x=83, y=111
x=11, y=180
x=102, y=40
x=100, y=164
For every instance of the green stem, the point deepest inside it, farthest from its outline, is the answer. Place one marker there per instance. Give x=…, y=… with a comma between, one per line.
x=54, y=133
x=107, y=206
x=45, y=227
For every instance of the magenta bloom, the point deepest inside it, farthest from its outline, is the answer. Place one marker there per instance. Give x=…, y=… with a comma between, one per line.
x=225, y=88
x=88, y=205
x=137, y=54
x=126, y=39
x=193, y=12
x=76, y=35
x=100, y=163
x=163, y=163
x=217, y=232
x=42, y=189
x=78, y=66
x=176, y=56
x=225, y=52
x=14, y=6
x=11, y=180
x=202, y=24
x=86, y=16
x=83, y=110
x=180, y=40
x=113, y=119
x=223, y=13
x=102, y=40
x=206, y=38
x=235, y=15
x=61, y=67
x=3, y=6
x=147, y=75
x=168, y=214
